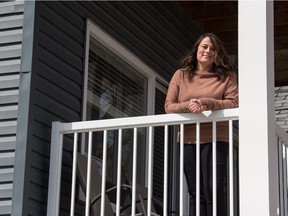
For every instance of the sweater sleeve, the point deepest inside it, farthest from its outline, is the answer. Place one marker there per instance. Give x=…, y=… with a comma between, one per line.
x=172, y=104
x=230, y=96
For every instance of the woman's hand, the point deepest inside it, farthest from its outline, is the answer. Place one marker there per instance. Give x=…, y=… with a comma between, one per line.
x=195, y=106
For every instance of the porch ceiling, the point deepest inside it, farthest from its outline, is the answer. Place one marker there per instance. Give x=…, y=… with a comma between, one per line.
x=221, y=18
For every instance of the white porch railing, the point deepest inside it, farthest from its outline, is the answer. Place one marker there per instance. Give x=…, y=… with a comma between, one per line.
x=149, y=122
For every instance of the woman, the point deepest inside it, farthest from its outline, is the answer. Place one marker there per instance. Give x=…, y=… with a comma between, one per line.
x=205, y=81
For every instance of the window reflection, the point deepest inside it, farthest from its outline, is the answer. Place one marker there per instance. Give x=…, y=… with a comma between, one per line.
x=115, y=89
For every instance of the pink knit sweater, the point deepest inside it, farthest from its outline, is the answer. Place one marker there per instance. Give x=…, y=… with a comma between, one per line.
x=213, y=93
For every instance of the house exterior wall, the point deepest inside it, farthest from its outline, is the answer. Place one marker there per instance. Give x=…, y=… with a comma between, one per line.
x=11, y=23
x=51, y=86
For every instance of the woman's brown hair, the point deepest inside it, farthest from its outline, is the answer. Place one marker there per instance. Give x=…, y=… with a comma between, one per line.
x=222, y=65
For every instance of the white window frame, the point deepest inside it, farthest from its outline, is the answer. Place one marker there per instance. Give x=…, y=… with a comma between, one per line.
x=114, y=46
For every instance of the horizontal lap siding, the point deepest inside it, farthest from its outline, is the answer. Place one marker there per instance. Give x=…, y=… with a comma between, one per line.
x=57, y=90
x=11, y=25
x=155, y=37
x=153, y=31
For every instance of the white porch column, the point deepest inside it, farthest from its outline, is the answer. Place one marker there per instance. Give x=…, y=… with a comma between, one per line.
x=257, y=147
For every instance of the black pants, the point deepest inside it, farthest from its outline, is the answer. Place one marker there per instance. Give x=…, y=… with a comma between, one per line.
x=206, y=177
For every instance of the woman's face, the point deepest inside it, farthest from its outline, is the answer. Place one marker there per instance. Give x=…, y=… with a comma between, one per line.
x=205, y=53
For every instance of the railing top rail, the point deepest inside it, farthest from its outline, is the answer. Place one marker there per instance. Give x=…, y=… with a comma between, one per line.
x=281, y=134
x=145, y=121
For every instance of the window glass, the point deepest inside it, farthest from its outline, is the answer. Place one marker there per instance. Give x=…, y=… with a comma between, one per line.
x=115, y=89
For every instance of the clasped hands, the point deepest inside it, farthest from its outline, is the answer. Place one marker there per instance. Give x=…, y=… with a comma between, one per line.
x=195, y=106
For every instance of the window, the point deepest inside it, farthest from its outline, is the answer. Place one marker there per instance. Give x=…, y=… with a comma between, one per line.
x=115, y=89
x=117, y=84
